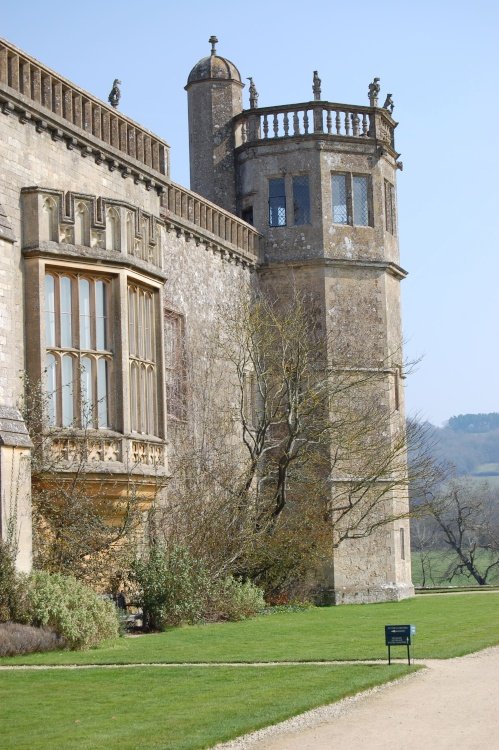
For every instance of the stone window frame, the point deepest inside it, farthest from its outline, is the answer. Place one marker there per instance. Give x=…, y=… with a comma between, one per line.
x=143, y=368
x=288, y=198
x=118, y=278
x=349, y=181
x=304, y=208
x=78, y=333
x=390, y=208
x=278, y=214
x=175, y=365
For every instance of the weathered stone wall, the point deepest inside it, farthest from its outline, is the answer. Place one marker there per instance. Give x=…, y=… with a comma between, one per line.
x=30, y=158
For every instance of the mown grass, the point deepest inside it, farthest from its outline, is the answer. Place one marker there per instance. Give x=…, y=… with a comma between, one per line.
x=185, y=708
x=436, y=565
x=447, y=626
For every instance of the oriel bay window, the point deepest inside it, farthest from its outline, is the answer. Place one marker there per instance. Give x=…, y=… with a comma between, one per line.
x=143, y=366
x=78, y=349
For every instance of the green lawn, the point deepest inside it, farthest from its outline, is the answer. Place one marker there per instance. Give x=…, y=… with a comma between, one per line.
x=169, y=708
x=446, y=626
x=437, y=564
x=191, y=708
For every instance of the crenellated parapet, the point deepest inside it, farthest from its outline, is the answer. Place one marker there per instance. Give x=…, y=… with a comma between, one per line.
x=38, y=96
x=312, y=119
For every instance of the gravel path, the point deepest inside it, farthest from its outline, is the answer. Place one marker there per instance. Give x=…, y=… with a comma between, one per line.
x=451, y=705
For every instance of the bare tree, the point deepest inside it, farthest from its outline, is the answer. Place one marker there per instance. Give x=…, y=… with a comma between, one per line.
x=300, y=453
x=466, y=515
x=76, y=530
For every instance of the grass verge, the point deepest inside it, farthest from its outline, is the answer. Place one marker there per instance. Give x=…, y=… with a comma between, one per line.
x=173, y=709
x=447, y=626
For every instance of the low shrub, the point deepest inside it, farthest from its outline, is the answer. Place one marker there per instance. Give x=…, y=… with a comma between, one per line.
x=232, y=599
x=17, y=639
x=71, y=609
x=173, y=587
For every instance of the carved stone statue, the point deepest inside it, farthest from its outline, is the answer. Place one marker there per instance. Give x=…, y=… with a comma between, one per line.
x=253, y=94
x=316, y=86
x=389, y=105
x=374, y=89
x=115, y=94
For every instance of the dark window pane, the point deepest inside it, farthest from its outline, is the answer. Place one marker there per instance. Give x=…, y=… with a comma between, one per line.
x=360, y=201
x=301, y=200
x=277, y=203
x=340, y=210
x=247, y=215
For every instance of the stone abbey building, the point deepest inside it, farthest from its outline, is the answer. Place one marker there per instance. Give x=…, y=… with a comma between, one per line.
x=107, y=267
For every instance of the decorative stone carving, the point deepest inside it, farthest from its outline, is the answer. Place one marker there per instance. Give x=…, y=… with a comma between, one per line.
x=115, y=94
x=253, y=94
x=389, y=105
x=74, y=450
x=150, y=454
x=374, y=89
x=316, y=86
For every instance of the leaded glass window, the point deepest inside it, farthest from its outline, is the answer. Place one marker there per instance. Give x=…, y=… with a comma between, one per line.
x=340, y=199
x=78, y=350
x=277, y=203
x=142, y=359
x=351, y=199
x=360, y=201
x=174, y=365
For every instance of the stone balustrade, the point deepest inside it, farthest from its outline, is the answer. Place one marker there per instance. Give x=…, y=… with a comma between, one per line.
x=205, y=218
x=313, y=118
x=46, y=90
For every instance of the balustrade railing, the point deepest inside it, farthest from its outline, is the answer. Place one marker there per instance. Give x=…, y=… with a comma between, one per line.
x=46, y=89
x=310, y=118
x=203, y=215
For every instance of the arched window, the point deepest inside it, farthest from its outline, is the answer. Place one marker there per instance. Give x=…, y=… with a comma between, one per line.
x=112, y=230
x=130, y=233
x=82, y=224
x=49, y=221
x=51, y=386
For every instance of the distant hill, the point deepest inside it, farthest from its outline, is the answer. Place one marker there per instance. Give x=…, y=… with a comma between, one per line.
x=470, y=442
x=474, y=423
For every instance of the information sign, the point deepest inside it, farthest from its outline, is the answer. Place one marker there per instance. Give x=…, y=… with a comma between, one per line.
x=399, y=635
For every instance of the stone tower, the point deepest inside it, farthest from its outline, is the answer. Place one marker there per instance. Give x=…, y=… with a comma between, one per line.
x=214, y=91
x=318, y=180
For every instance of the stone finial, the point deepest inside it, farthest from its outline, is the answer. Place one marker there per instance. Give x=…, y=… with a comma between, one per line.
x=374, y=89
x=115, y=94
x=253, y=94
x=213, y=41
x=316, y=86
x=389, y=105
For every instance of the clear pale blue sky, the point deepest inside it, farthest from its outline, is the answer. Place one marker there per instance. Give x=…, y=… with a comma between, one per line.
x=440, y=62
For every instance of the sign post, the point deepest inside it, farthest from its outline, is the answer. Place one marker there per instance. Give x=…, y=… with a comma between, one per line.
x=399, y=635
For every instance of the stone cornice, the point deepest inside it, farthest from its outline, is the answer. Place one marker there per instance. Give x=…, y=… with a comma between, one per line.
x=375, y=265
